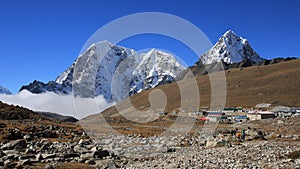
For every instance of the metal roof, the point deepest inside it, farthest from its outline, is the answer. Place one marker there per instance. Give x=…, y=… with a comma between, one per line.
x=281, y=109
x=260, y=112
x=263, y=105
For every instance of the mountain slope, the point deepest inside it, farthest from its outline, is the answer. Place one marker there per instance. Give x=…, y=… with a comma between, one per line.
x=10, y=112
x=277, y=84
x=4, y=90
x=112, y=71
x=58, y=117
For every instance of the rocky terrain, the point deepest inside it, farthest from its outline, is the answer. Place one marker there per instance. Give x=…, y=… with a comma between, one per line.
x=29, y=140
x=260, y=154
x=269, y=143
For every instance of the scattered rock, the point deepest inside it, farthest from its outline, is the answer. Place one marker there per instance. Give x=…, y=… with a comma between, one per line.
x=39, y=157
x=14, y=145
x=25, y=162
x=170, y=150
x=216, y=142
x=2, y=125
x=14, y=134
x=48, y=166
x=294, y=154
x=69, y=155
x=91, y=162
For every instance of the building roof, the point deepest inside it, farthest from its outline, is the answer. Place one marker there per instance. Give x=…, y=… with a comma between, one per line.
x=260, y=112
x=281, y=109
x=263, y=105
x=214, y=113
x=240, y=117
x=232, y=108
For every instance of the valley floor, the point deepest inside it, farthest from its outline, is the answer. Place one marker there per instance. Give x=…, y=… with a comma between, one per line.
x=44, y=143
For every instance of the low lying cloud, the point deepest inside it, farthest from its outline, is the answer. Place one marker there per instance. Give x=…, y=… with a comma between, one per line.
x=61, y=104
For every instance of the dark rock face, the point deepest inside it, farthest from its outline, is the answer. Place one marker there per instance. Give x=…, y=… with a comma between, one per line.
x=276, y=60
x=200, y=69
x=40, y=87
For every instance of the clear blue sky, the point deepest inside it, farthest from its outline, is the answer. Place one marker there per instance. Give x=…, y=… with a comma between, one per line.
x=40, y=39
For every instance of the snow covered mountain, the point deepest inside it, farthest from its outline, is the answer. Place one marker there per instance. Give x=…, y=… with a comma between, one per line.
x=230, y=49
x=4, y=90
x=112, y=71
x=155, y=69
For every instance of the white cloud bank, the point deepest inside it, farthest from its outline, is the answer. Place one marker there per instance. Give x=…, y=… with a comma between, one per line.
x=60, y=104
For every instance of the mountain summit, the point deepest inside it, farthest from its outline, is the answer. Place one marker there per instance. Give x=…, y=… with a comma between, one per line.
x=113, y=71
x=230, y=49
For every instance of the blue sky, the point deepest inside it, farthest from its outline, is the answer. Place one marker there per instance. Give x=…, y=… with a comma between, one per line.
x=40, y=39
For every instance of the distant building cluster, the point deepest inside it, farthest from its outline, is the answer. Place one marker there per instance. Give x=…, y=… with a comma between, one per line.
x=239, y=114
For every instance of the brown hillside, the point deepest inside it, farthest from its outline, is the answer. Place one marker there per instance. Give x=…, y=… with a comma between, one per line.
x=29, y=122
x=278, y=84
x=10, y=112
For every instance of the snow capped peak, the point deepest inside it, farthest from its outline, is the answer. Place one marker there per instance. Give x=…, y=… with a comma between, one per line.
x=4, y=90
x=231, y=48
x=156, y=68
x=103, y=43
x=100, y=44
x=229, y=33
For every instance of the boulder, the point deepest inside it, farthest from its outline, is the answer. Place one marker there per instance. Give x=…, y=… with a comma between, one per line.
x=29, y=151
x=100, y=154
x=14, y=134
x=47, y=156
x=2, y=125
x=25, y=162
x=14, y=145
x=216, y=142
x=25, y=157
x=39, y=157
x=48, y=166
x=27, y=137
x=171, y=150
x=87, y=155
x=90, y=162
x=69, y=155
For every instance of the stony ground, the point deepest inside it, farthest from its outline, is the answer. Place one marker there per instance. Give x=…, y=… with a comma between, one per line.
x=35, y=142
x=258, y=154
